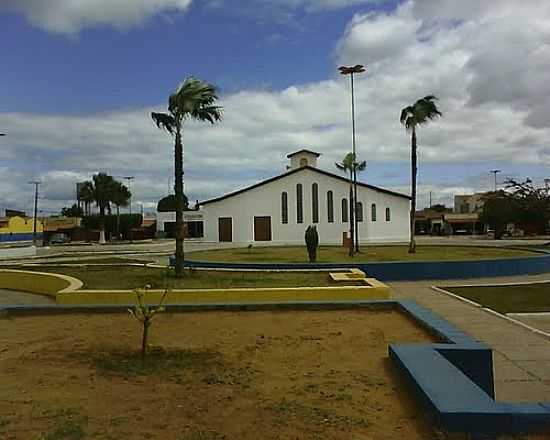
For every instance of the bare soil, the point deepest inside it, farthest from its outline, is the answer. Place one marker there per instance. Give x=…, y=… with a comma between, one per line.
x=217, y=375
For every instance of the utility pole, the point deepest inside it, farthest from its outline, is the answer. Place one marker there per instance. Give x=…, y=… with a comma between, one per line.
x=495, y=172
x=35, y=183
x=358, y=68
x=129, y=179
x=430, y=199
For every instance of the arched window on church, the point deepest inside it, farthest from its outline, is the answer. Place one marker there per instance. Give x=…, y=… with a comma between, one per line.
x=299, y=203
x=388, y=215
x=344, y=210
x=330, y=207
x=284, y=207
x=373, y=212
x=315, y=203
x=359, y=211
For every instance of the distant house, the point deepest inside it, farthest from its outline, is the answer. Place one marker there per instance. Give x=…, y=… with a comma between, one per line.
x=15, y=228
x=279, y=209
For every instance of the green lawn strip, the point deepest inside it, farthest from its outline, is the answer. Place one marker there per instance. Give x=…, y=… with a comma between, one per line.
x=509, y=299
x=99, y=260
x=130, y=277
x=336, y=254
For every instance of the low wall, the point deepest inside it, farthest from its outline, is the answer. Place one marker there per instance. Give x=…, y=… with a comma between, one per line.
x=37, y=282
x=410, y=271
x=216, y=296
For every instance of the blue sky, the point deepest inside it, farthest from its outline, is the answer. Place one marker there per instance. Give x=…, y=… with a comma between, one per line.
x=78, y=81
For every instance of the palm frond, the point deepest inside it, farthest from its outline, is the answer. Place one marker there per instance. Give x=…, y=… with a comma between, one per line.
x=195, y=99
x=164, y=121
x=211, y=114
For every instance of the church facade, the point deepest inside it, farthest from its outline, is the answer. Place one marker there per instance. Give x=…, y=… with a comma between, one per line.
x=278, y=210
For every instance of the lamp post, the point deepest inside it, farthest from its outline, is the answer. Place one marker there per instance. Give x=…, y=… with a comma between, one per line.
x=129, y=179
x=351, y=71
x=35, y=183
x=495, y=172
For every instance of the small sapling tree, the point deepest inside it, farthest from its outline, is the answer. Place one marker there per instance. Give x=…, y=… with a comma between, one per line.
x=145, y=313
x=312, y=243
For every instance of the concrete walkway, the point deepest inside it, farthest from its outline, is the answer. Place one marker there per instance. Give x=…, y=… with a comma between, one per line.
x=521, y=358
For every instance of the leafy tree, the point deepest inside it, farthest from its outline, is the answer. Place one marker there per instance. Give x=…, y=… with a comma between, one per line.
x=420, y=113
x=351, y=166
x=499, y=209
x=168, y=203
x=193, y=99
x=86, y=195
x=533, y=203
x=73, y=211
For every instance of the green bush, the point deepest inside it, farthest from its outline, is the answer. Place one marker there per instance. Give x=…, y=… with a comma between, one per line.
x=312, y=243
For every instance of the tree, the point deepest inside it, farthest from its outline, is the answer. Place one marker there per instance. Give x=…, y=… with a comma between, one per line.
x=350, y=165
x=86, y=194
x=103, y=190
x=499, y=209
x=168, y=203
x=73, y=211
x=120, y=197
x=439, y=207
x=193, y=99
x=420, y=113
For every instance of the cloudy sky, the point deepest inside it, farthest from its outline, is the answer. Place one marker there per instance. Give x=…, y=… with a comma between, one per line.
x=79, y=78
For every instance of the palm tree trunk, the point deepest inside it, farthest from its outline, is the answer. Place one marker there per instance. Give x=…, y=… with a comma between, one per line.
x=355, y=208
x=412, y=244
x=178, y=157
x=117, y=222
x=351, y=216
x=102, y=225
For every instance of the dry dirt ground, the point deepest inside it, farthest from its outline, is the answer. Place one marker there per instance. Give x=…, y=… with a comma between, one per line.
x=218, y=375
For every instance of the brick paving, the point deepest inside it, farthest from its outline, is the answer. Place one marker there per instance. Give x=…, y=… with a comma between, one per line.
x=521, y=358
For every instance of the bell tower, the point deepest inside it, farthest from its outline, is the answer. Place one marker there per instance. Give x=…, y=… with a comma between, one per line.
x=302, y=158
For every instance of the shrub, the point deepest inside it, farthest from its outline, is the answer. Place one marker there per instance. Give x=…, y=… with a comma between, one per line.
x=312, y=243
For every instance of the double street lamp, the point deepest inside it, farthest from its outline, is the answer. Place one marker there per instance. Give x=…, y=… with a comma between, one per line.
x=351, y=71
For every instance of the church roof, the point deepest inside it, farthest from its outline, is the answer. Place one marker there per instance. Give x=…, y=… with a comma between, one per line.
x=303, y=150
x=297, y=170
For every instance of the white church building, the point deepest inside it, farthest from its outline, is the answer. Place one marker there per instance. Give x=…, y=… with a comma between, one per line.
x=279, y=209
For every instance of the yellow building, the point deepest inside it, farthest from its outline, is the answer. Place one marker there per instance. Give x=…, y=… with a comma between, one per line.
x=19, y=229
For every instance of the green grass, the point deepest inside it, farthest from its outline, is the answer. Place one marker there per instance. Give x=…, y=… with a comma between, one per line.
x=335, y=254
x=68, y=425
x=121, y=277
x=509, y=299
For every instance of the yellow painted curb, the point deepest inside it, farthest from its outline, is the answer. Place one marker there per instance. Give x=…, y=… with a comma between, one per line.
x=377, y=291
x=38, y=282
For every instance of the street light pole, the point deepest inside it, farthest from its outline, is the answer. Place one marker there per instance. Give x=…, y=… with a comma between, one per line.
x=35, y=183
x=358, y=68
x=129, y=179
x=495, y=172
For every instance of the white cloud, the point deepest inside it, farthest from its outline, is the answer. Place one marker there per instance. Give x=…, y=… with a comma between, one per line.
x=487, y=69
x=70, y=16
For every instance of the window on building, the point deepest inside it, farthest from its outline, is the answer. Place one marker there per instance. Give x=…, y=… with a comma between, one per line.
x=330, y=207
x=284, y=207
x=359, y=211
x=388, y=215
x=344, y=210
x=303, y=162
x=373, y=212
x=299, y=204
x=315, y=203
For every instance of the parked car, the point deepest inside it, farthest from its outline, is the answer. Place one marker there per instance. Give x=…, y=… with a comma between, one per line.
x=59, y=238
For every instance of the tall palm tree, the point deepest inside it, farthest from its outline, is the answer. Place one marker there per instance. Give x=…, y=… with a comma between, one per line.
x=101, y=191
x=120, y=197
x=420, y=113
x=193, y=99
x=86, y=194
x=349, y=165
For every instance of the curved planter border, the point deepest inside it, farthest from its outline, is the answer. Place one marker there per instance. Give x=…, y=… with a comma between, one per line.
x=405, y=270
x=43, y=283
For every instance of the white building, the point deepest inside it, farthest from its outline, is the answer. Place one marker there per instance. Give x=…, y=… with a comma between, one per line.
x=278, y=210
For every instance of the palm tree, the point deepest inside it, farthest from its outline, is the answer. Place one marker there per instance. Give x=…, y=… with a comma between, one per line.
x=421, y=112
x=193, y=99
x=120, y=197
x=86, y=194
x=101, y=191
x=350, y=165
